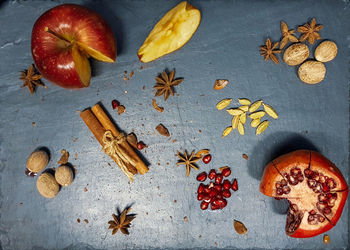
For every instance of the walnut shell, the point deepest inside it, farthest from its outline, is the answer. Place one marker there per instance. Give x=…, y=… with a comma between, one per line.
x=37, y=161
x=64, y=175
x=296, y=54
x=326, y=51
x=47, y=185
x=312, y=72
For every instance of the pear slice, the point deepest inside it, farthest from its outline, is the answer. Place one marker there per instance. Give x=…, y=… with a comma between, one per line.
x=82, y=65
x=173, y=31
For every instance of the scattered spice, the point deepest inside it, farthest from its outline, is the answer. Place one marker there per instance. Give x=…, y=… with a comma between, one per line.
x=156, y=107
x=115, y=104
x=131, y=74
x=187, y=160
x=85, y=189
x=220, y=84
x=223, y=104
x=202, y=152
x=239, y=227
x=121, y=109
x=175, y=201
x=162, y=130
x=222, y=168
x=296, y=54
x=132, y=139
x=326, y=51
x=141, y=145
x=122, y=223
x=86, y=221
x=31, y=79
x=245, y=156
x=310, y=31
x=64, y=157
x=326, y=239
x=268, y=51
x=312, y=72
x=78, y=220
x=33, y=124
x=185, y=219
x=287, y=35
x=165, y=83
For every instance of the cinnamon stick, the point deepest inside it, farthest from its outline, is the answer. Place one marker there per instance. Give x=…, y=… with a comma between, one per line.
x=98, y=131
x=108, y=125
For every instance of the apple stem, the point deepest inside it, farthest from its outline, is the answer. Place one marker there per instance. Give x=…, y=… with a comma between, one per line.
x=47, y=29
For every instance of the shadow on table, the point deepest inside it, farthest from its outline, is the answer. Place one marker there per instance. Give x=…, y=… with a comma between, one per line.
x=270, y=148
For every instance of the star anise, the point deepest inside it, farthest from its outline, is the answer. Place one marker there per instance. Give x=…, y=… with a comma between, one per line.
x=122, y=223
x=310, y=31
x=287, y=35
x=31, y=79
x=187, y=160
x=268, y=51
x=165, y=83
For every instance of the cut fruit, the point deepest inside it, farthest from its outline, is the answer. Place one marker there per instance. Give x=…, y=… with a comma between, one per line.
x=314, y=186
x=173, y=31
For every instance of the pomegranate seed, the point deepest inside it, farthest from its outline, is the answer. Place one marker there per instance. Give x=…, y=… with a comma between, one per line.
x=226, y=172
x=325, y=188
x=213, y=193
x=331, y=183
x=322, y=197
x=320, y=218
x=207, y=189
x=235, y=185
x=226, y=193
x=206, y=198
x=140, y=145
x=327, y=210
x=200, y=196
x=218, y=179
x=308, y=173
x=224, y=203
x=226, y=184
x=212, y=174
x=219, y=196
x=278, y=185
x=204, y=205
x=115, y=104
x=284, y=182
x=202, y=176
x=213, y=206
x=312, y=212
x=218, y=187
x=200, y=188
x=206, y=159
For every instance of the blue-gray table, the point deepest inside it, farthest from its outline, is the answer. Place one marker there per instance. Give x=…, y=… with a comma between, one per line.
x=224, y=46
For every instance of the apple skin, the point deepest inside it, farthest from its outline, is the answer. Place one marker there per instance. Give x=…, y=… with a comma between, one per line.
x=53, y=56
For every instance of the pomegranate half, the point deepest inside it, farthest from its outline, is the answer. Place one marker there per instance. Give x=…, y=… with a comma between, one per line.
x=314, y=186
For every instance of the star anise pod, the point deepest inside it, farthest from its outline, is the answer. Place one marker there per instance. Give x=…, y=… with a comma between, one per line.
x=287, y=35
x=187, y=160
x=165, y=83
x=310, y=31
x=268, y=51
x=122, y=223
x=31, y=79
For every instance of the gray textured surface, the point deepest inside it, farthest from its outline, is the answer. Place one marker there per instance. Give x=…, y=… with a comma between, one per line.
x=224, y=46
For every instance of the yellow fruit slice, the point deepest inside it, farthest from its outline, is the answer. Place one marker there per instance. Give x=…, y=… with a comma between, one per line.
x=82, y=65
x=173, y=31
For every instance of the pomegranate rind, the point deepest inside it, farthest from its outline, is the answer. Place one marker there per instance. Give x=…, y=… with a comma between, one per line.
x=304, y=159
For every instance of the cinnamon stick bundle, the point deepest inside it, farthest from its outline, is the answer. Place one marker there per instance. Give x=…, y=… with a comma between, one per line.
x=126, y=158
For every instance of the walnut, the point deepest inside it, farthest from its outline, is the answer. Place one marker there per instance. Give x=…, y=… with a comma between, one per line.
x=37, y=161
x=47, y=185
x=64, y=175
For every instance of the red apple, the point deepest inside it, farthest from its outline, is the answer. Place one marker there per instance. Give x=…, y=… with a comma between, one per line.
x=63, y=39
